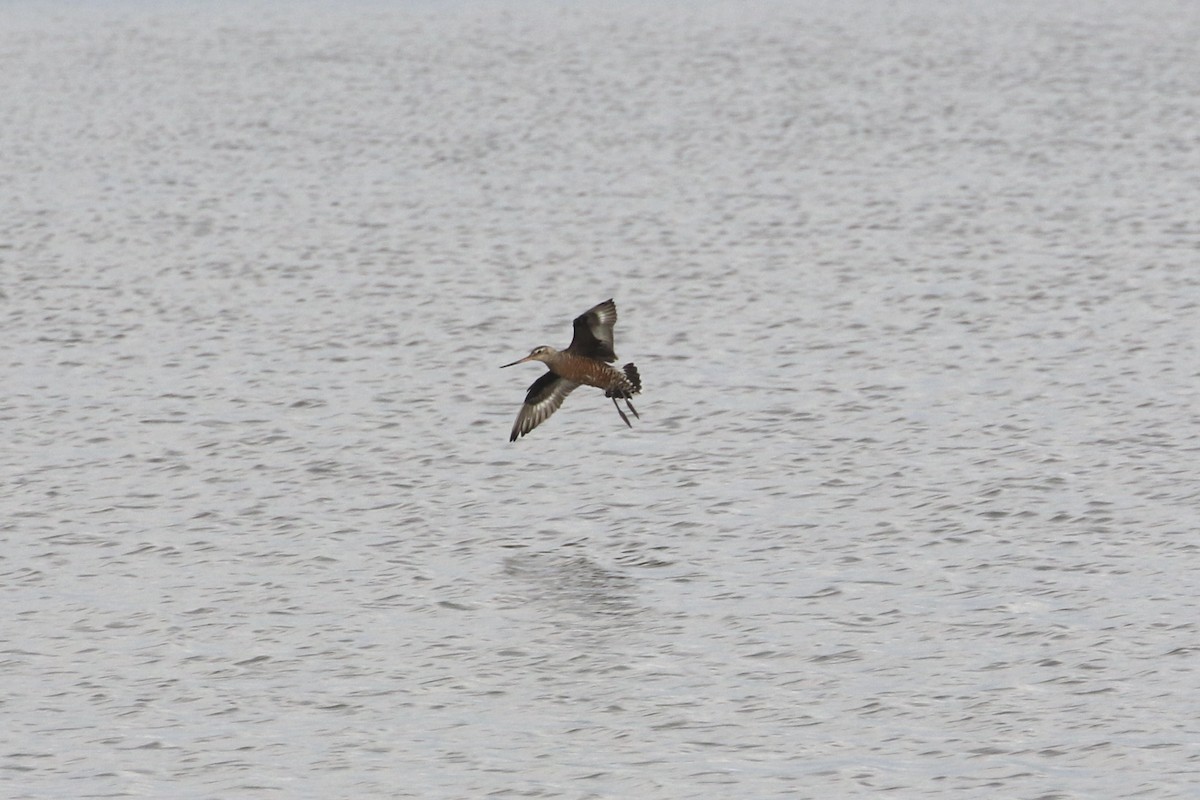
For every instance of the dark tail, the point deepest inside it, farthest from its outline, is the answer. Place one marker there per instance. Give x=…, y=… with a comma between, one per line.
x=635, y=386
x=632, y=373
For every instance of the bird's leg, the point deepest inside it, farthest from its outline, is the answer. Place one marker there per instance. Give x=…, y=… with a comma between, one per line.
x=631, y=408
x=622, y=413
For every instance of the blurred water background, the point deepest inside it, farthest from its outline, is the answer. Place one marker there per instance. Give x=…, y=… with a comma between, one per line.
x=911, y=509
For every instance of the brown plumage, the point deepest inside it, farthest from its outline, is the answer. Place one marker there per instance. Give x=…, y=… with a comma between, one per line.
x=584, y=362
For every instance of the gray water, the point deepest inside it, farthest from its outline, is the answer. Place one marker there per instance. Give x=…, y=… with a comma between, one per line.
x=912, y=506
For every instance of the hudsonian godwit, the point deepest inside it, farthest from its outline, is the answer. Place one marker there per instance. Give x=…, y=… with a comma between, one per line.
x=585, y=361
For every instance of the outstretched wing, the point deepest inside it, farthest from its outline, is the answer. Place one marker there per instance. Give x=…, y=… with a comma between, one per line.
x=543, y=399
x=594, y=332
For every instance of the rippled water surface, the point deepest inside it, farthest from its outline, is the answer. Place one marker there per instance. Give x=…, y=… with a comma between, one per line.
x=911, y=509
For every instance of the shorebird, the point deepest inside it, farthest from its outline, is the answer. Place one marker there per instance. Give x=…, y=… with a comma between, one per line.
x=585, y=361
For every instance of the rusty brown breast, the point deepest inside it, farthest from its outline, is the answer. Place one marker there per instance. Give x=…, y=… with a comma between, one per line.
x=591, y=372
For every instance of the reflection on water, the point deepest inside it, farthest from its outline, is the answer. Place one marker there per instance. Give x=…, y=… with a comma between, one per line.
x=569, y=585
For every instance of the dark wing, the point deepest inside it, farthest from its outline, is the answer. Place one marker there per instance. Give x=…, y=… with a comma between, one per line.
x=594, y=332
x=543, y=399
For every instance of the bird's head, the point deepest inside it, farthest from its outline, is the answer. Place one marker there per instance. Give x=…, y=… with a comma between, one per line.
x=542, y=353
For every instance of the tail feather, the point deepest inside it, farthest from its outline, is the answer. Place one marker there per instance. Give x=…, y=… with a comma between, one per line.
x=634, y=378
x=633, y=385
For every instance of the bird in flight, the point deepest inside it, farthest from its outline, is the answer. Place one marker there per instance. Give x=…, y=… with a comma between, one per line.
x=585, y=361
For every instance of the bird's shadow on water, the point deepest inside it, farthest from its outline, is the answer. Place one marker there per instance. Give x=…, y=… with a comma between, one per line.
x=569, y=583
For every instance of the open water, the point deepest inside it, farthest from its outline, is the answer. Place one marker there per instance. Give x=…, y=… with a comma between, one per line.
x=912, y=509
